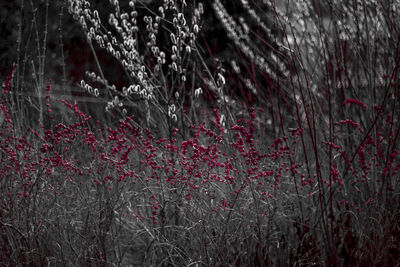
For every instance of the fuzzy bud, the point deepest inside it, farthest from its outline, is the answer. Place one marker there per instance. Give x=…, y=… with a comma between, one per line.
x=173, y=38
x=196, y=28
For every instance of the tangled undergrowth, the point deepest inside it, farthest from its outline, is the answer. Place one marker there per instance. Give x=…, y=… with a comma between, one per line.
x=304, y=171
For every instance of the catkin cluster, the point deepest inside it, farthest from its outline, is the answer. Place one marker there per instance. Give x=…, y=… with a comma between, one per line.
x=157, y=67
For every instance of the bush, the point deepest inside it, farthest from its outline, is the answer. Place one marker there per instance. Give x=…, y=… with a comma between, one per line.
x=281, y=152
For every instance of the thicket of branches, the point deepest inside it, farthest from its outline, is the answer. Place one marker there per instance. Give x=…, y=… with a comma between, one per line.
x=246, y=133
